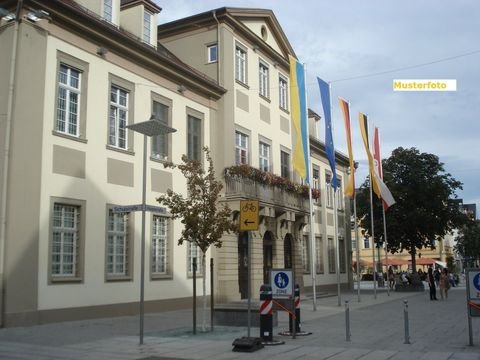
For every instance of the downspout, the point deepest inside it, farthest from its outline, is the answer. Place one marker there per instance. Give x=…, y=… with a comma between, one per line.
x=8, y=126
x=214, y=13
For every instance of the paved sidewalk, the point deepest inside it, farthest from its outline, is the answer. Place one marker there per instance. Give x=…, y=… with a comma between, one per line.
x=438, y=330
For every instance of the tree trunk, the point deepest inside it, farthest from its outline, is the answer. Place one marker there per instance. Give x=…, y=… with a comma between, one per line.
x=204, y=288
x=414, y=261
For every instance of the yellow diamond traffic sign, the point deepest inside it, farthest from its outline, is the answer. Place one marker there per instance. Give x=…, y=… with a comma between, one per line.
x=248, y=215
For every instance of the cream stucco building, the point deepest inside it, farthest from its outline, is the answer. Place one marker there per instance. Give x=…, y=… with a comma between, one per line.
x=246, y=51
x=74, y=74
x=68, y=87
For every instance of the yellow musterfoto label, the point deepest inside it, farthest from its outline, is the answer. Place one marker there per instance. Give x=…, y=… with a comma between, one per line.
x=425, y=85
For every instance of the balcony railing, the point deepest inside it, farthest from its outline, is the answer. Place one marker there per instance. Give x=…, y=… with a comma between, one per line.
x=237, y=187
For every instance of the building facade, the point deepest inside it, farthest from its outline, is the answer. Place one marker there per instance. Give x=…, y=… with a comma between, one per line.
x=67, y=159
x=247, y=52
x=221, y=79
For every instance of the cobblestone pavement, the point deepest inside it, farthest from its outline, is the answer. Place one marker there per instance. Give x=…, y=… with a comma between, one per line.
x=438, y=330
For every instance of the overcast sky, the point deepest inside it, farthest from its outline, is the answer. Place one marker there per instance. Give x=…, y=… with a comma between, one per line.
x=343, y=39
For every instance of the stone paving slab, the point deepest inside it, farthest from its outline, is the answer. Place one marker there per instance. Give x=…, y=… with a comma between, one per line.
x=438, y=330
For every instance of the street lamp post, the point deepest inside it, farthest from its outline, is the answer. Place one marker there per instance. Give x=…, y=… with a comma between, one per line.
x=149, y=128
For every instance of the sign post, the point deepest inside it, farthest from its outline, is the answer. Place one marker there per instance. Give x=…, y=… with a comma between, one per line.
x=473, y=299
x=249, y=222
x=282, y=281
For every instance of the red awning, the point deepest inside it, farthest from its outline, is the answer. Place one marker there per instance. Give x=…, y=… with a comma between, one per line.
x=394, y=261
x=424, y=261
x=362, y=262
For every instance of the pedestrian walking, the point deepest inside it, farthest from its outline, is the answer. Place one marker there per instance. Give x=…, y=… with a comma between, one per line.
x=391, y=278
x=444, y=284
x=431, y=284
x=436, y=275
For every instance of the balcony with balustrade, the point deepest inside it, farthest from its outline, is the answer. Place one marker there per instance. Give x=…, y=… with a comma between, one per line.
x=246, y=182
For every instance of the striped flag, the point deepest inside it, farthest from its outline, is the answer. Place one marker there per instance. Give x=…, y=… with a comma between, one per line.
x=378, y=185
x=329, y=148
x=298, y=101
x=350, y=187
x=378, y=166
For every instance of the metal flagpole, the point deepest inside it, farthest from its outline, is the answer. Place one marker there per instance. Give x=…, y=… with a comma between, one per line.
x=373, y=242
x=335, y=223
x=373, y=239
x=386, y=244
x=335, y=220
x=313, y=245
x=378, y=167
x=358, y=245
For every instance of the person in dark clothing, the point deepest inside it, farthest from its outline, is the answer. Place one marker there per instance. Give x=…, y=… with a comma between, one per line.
x=431, y=284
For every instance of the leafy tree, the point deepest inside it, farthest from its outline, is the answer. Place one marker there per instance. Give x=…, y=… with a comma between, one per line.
x=468, y=242
x=423, y=212
x=204, y=220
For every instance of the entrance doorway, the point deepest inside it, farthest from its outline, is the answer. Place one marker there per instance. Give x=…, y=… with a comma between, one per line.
x=243, y=264
x=267, y=256
x=288, y=251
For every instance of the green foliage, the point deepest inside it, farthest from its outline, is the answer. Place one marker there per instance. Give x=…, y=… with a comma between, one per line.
x=204, y=219
x=423, y=211
x=468, y=241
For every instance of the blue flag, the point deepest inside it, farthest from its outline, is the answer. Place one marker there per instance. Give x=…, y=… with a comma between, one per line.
x=329, y=148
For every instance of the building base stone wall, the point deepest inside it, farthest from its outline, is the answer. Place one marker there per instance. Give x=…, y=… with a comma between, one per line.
x=95, y=312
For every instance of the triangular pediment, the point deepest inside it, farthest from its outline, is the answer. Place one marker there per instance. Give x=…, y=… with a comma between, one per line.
x=265, y=26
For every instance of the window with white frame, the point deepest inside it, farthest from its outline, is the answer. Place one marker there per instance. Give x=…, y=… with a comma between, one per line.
x=68, y=100
x=264, y=156
x=159, y=245
x=118, y=247
x=65, y=248
x=305, y=254
x=147, y=26
x=108, y=10
x=241, y=65
x=319, y=250
x=354, y=243
x=366, y=243
x=316, y=179
x=263, y=80
x=241, y=148
x=284, y=164
x=339, y=195
x=118, y=119
x=160, y=144
x=212, y=53
x=329, y=189
x=331, y=256
x=194, y=252
x=194, y=138
x=283, y=93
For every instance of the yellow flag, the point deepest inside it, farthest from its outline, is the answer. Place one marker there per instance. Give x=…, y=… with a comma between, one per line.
x=364, y=130
x=350, y=187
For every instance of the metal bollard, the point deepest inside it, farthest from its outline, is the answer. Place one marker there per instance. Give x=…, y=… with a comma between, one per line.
x=266, y=308
x=298, y=325
x=405, y=317
x=347, y=321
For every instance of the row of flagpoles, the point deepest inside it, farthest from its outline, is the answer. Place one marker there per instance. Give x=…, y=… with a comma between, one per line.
x=302, y=165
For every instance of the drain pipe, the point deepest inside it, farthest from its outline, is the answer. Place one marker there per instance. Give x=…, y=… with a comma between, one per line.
x=4, y=190
x=214, y=13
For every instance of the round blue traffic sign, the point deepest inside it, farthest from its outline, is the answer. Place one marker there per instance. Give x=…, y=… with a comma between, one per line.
x=476, y=281
x=281, y=280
